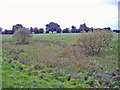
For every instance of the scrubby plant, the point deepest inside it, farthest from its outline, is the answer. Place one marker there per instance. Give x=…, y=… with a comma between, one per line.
x=69, y=52
x=93, y=42
x=22, y=36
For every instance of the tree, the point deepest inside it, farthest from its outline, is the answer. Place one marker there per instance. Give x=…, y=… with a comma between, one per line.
x=0, y=30
x=52, y=27
x=35, y=30
x=16, y=27
x=22, y=36
x=31, y=29
x=73, y=30
x=47, y=30
x=73, y=27
x=41, y=30
x=91, y=29
x=66, y=30
x=58, y=30
x=78, y=31
x=84, y=27
x=108, y=28
x=5, y=32
x=117, y=31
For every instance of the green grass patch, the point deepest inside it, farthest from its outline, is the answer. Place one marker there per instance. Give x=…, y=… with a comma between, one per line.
x=41, y=64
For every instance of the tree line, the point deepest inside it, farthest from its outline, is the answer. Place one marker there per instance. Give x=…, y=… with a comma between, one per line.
x=53, y=27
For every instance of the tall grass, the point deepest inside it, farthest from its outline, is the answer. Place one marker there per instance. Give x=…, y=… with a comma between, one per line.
x=44, y=62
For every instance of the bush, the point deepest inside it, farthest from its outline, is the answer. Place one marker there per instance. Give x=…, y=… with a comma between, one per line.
x=69, y=52
x=22, y=36
x=93, y=42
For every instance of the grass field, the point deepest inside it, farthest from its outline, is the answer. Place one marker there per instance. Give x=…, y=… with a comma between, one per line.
x=66, y=38
x=42, y=64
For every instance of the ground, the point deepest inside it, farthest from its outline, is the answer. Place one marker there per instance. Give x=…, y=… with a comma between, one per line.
x=42, y=64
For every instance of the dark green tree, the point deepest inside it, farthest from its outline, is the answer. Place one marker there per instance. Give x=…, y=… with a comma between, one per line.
x=73, y=27
x=16, y=27
x=31, y=29
x=52, y=27
x=66, y=30
x=47, y=30
x=35, y=30
x=73, y=30
x=84, y=27
x=0, y=30
x=41, y=30
x=5, y=32
x=58, y=30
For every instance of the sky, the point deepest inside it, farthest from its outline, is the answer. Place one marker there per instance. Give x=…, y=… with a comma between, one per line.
x=38, y=13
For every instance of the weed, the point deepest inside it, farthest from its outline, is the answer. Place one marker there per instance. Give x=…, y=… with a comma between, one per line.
x=69, y=52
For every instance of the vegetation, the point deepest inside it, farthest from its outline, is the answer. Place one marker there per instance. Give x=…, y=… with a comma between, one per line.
x=53, y=38
x=22, y=36
x=46, y=63
x=54, y=27
x=16, y=27
x=69, y=52
x=93, y=42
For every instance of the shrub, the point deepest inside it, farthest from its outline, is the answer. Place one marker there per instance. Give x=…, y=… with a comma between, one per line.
x=93, y=42
x=69, y=51
x=22, y=36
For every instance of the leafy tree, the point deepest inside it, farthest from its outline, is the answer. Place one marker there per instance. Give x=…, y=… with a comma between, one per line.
x=66, y=30
x=0, y=29
x=22, y=36
x=73, y=30
x=31, y=29
x=47, y=30
x=108, y=28
x=84, y=27
x=58, y=30
x=52, y=27
x=41, y=30
x=35, y=30
x=117, y=31
x=5, y=32
x=16, y=27
x=73, y=27
x=91, y=29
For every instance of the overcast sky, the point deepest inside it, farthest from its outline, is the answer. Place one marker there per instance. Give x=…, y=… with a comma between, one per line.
x=38, y=13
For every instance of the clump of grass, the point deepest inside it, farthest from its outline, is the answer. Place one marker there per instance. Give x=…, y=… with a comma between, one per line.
x=69, y=52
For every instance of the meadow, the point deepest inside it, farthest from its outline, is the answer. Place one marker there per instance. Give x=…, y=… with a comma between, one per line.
x=44, y=64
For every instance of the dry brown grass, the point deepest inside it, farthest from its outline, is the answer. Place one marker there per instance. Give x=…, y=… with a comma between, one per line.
x=69, y=52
